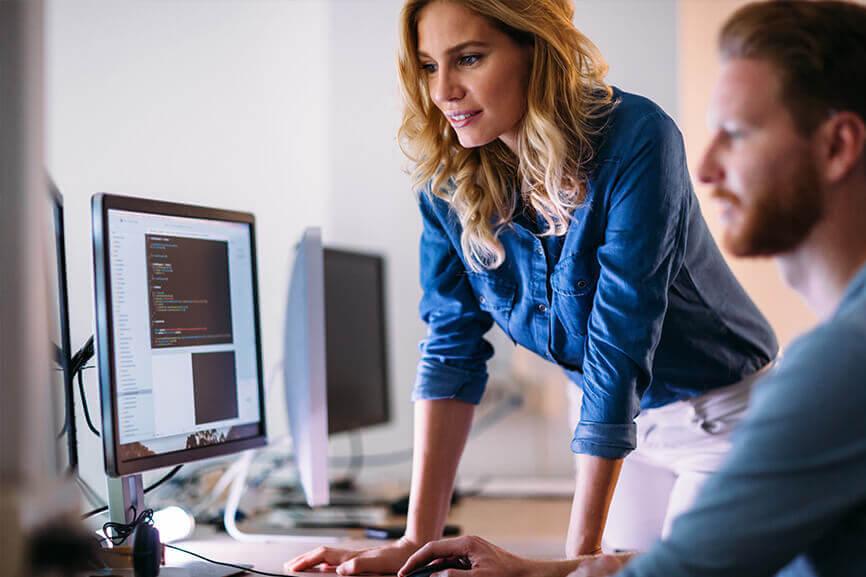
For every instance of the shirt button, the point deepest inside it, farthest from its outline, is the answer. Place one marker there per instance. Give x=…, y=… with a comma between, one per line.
x=541, y=308
x=482, y=299
x=539, y=250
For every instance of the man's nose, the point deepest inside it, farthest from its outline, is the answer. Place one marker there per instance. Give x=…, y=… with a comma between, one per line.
x=709, y=169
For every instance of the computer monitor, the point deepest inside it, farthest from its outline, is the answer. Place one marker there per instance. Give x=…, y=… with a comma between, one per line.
x=177, y=333
x=356, y=340
x=61, y=347
x=335, y=357
x=304, y=367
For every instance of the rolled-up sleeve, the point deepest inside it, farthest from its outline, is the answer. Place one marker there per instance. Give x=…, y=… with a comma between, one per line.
x=641, y=252
x=454, y=355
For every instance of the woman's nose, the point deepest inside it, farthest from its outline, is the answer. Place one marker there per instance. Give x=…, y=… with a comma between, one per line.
x=446, y=88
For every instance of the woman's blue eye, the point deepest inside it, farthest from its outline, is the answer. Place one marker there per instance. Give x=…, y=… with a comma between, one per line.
x=428, y=68
x=469, y=59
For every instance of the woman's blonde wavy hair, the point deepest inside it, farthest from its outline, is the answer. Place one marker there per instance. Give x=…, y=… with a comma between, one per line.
x=567, y=97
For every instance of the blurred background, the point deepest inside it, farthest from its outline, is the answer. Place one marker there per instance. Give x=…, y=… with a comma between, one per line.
x=289, y=109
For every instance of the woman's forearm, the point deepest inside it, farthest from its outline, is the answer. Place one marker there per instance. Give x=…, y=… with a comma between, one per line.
x=441, y=429
x=594, y=486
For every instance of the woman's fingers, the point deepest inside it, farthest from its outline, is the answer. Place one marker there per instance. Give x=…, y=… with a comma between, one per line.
x=383, y=560
x=361, y=564
x=452, y=573
x=326, y=555
x=456, y=547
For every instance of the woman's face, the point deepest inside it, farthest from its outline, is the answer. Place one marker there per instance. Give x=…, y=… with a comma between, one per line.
x=476, y=74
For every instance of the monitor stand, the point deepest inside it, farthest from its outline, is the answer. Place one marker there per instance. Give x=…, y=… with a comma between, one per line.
x=125, y=502
x=125, y=498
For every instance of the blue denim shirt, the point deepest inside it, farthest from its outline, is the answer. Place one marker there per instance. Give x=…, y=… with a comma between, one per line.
x=635, y=302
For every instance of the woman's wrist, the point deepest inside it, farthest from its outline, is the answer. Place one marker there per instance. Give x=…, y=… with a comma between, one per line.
x=549, y=568
x=408, y=543
x=583, y=544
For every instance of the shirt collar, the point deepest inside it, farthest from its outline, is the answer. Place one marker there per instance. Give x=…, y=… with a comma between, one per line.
x=855, y=289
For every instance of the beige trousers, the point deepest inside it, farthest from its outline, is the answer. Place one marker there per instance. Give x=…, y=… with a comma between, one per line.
x=678, y=447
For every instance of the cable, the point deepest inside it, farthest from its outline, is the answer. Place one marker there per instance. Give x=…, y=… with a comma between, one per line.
x=65, y=425
x=508, y=405
x=90, y=493
x=94, y=513
x=118, y=533
x=93, y=429
x=80, y=358
x=232, y=565
x=356, y=462
x=166, y=478
x=231, y=510
x=147, y=490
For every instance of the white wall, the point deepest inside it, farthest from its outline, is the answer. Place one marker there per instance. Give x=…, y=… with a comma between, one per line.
x=288, y=109
x=639, y=40
x=216, y=103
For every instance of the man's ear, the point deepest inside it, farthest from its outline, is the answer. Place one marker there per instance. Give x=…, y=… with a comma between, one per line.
x=842, y=139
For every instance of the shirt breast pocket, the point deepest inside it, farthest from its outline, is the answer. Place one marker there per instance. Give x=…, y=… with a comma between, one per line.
x=495, y=295
x=573, y=283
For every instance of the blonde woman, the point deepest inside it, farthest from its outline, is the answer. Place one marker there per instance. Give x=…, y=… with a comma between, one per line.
x=561, y=209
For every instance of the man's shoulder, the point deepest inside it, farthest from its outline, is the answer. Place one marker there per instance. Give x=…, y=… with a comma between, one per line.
x=825, y=367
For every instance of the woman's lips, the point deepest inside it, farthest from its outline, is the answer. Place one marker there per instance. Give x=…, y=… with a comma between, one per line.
x=462, y=119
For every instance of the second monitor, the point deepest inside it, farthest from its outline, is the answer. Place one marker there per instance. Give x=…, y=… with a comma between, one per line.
x=336, y=376
x=355, y=340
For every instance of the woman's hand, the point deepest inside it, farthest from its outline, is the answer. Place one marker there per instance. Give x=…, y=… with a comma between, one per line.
x=385, y=560
x=601, y=565
x=486, y=559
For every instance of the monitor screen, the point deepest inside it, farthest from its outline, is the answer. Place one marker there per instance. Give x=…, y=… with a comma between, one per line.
x=356, y=352
x=178, y=343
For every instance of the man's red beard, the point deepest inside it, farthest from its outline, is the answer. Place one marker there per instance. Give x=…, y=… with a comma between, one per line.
x=776, y=217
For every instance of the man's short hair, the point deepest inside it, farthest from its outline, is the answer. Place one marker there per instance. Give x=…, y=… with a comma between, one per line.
x=819, y=49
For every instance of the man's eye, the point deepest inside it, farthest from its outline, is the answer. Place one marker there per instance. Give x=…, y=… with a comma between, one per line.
x=469, y=59
x=428, y=68
x=733, y=132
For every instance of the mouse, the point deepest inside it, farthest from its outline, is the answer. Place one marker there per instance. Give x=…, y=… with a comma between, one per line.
x=441, y=565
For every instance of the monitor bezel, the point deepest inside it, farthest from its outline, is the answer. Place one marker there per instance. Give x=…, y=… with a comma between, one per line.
x=101, y=204
x=63, y=310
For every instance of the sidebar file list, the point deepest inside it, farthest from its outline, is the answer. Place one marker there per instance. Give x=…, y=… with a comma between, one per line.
x=134, y=393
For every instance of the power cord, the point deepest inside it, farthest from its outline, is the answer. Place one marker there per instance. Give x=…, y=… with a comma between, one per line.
x=87, y=418
x=224, y=564
x=77, y=365
x=118, y=533
x=147, y=490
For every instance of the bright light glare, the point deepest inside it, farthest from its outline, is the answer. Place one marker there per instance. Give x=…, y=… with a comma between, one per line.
x=173, y=524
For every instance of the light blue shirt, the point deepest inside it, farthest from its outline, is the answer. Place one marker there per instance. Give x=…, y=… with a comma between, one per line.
x=791, y=498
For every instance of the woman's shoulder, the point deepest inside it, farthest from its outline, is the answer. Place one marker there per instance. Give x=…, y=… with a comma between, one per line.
x=435, y=207
x=635, y=120
x=631, y=107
